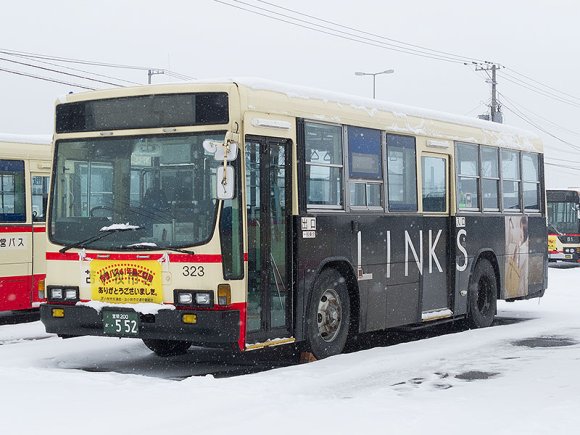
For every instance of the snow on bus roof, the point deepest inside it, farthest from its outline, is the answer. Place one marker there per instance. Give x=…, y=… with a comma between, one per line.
x=371, y=106
x=409, y=119
x=36, y=139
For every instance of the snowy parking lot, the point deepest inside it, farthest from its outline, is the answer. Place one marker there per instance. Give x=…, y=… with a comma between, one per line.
x=519, y=376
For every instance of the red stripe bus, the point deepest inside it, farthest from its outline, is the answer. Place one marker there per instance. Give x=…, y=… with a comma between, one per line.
x=564, y=224
x=247, y=214
x=25, y=165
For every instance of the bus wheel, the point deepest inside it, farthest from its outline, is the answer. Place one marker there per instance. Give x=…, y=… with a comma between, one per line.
x=167, y=347
x=482, y=299
x=328, y=318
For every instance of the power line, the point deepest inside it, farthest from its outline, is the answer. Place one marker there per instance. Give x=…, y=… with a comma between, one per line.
x=542, y=84
x=72, y=69
x=91, y=63
x=562, y=166
x=563, y=160
x=444, y=53
x=539, y=116
x=522, y=116
x=45, y=79
x=57, y=71
x=70, y=60
x=538, y=90
x=343, y=35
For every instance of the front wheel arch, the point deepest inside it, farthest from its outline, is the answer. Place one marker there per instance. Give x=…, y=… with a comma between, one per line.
x=328, y=319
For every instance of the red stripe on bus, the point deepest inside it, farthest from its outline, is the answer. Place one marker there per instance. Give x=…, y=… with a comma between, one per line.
x=16, y=229
x=175, y=258
x=39, y=229
x=242, y=339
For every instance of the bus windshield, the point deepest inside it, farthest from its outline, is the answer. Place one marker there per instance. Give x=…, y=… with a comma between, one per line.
x=164, y=185
x=563, y=217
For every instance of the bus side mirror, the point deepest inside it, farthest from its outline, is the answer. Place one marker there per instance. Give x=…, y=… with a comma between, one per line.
x=218, y=149
x=232, y=151
x=225, y=182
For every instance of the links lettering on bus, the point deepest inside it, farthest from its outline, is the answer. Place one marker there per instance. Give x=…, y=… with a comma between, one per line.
x=414, y=251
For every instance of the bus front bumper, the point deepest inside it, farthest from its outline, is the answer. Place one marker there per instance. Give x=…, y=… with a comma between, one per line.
x=211, y=328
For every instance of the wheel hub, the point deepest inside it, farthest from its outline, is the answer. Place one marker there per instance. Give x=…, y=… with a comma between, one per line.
x=329, y=315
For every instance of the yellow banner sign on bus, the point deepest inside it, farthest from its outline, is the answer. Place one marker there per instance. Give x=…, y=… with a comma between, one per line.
x=126, y=282
x=552, y=243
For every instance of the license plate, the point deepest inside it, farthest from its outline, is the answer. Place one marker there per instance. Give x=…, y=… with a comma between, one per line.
x=121, y=323
x=568, y=257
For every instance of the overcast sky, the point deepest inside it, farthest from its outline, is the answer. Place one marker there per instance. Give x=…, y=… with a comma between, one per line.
x=204, y=39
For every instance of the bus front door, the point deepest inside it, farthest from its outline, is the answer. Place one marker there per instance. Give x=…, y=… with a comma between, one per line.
x=268, y=207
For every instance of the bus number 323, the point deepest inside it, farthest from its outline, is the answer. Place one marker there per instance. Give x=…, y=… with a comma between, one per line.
x=193, y=271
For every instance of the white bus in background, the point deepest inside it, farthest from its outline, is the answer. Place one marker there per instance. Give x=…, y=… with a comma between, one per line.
x=25, y=164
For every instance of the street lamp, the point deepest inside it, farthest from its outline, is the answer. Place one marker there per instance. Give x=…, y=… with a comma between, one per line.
x=360, y=73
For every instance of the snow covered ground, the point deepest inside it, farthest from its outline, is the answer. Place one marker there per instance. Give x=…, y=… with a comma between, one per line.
x=520, y=376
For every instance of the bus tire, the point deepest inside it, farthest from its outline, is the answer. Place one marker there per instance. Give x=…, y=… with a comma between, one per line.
x=167, y=347
x=482, y=295
x=328, y=316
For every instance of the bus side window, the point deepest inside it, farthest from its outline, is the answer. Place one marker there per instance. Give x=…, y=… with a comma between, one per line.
x=39, y=197
x=12, y=197
x=401, y=173
x=324, y=165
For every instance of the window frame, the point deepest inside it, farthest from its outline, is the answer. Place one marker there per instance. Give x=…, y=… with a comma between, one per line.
x=537, y=182
x=43, y=196
x=324, y=207
x=367, y=182
x=446, y=160
x=387, y=174
x=497, y=180
x=476, y=177
x=19, y=171
x=517, y=180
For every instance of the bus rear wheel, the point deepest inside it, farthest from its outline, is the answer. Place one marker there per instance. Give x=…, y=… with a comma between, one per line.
x=482, y=295
x=167, y=347
x=328, y=317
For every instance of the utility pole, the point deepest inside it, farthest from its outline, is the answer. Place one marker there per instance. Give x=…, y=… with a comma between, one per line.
x=495, y=109
x=152, y=72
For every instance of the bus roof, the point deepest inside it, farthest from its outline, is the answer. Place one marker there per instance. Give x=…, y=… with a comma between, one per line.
x=316, y=104
x=25, y=146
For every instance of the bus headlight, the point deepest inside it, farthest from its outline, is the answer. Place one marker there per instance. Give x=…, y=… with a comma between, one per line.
x=55, y=293
x=193, y=298
x=63, y=294
x=70, y=294
x=184, y=298
x=202, y=298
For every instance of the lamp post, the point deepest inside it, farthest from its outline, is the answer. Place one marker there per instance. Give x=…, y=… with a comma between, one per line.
x=360, y=73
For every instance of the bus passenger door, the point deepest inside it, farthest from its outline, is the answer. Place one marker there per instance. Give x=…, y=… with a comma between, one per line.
x=40, y=185
x=435, y=197
x=268, y=207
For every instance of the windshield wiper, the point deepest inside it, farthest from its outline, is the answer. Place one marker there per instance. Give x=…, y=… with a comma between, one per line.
x=147, y=246
x=103, y=232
